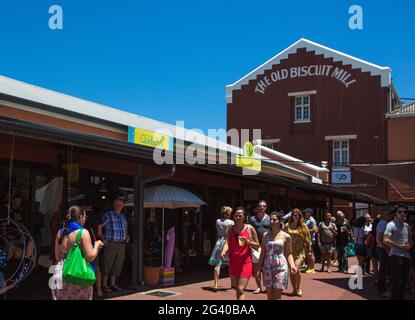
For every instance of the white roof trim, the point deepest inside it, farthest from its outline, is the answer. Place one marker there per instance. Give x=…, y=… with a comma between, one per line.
x=375, y=70
x=290, y=158
x=61, y=101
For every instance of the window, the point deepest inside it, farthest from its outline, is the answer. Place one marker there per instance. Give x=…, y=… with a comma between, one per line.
x=302, y=109
x=340, y=153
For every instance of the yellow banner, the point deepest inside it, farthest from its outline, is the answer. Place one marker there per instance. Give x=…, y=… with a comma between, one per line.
x=150, y=139
x=248, y=160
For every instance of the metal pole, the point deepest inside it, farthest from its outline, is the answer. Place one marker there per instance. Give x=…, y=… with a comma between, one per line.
x=10, y=178
x=162, y=240
x=136, y=224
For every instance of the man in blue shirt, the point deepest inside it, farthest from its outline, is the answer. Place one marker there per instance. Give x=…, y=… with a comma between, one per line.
x=114, y=232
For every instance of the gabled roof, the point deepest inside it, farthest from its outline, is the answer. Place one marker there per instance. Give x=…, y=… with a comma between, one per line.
x=375, y=70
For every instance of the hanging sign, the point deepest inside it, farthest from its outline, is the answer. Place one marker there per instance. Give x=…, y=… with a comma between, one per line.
x=150, y=139
x=248, y=160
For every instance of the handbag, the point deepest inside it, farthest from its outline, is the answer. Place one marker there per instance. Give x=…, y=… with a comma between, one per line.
x=76, y=269
x=254, y=253
x=350, y=249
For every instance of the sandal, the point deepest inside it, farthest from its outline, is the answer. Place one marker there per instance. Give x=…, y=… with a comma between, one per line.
x=115, y=288
x=257, y=291
x=106, y=290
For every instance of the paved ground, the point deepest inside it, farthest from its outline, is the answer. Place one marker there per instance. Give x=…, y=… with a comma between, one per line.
x=318, y=286
x=195, y=284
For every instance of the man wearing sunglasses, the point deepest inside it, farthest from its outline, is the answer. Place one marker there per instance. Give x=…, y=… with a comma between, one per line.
x=261, y=223
x=398, y=238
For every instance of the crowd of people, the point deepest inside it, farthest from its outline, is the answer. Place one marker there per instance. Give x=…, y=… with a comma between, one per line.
x=275, y=248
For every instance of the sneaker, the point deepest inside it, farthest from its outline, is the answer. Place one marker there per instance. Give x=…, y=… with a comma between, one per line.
x=385, y=295
x=310, y=271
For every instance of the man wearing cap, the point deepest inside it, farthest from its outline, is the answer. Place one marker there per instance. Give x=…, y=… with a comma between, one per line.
x=312, y=226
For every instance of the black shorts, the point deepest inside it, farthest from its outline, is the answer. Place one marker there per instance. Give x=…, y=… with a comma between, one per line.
x=374, y=253
x=361, y=250
x=413, y=257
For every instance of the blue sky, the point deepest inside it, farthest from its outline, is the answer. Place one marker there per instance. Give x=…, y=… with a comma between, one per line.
x=171, y=60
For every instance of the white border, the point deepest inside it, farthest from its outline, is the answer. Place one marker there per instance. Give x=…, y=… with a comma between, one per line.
x=356, y=63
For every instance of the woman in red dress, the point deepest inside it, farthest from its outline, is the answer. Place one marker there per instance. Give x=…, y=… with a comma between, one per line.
x=239, y=240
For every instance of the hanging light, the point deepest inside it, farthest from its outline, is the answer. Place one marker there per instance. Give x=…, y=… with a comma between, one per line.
x=103, y=191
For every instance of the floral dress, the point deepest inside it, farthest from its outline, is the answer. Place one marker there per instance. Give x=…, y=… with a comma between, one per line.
x=275, y=267
x=298, y=243
x=62, y=290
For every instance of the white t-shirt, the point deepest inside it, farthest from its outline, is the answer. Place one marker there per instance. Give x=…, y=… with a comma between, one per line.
x=399, y=233
x=367, y=228
x=222, y=226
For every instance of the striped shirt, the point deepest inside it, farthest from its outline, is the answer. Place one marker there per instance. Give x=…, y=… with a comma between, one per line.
x=115, y=226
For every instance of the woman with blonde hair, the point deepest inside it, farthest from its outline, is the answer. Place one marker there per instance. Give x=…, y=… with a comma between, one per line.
x=301, y=244
x=222, y=226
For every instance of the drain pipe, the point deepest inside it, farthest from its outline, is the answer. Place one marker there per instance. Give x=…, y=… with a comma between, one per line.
x=139, y=185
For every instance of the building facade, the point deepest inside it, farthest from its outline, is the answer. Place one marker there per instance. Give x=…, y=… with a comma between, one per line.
x=318, y=104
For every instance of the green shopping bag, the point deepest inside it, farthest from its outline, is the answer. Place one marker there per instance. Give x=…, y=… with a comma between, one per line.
x=350, y=249
x=76, y=269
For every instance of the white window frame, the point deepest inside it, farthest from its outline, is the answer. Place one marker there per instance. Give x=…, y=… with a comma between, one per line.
x=344, y=163
x=302, y=105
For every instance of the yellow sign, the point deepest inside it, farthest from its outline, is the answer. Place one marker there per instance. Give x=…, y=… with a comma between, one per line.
x=248, y=160
x=73, y=170
x=150, y=139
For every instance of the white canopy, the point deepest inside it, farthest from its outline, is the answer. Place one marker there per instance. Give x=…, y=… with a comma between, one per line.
x=170, y=197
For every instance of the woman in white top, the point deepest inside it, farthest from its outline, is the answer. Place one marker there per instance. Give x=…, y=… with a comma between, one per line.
x=222, y=226
x=359, y=238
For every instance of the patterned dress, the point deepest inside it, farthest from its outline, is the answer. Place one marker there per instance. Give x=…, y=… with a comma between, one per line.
x=221, y=227
x=68, y=291
x=275, y=268
x=298, y=243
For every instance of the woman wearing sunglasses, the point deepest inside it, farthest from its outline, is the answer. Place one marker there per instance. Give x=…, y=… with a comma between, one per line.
x=301, y=243
x=239, y=240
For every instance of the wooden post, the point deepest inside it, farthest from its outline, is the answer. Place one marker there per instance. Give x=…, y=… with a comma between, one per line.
x=138, y=241
x=354, y=209
x=331, y=206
